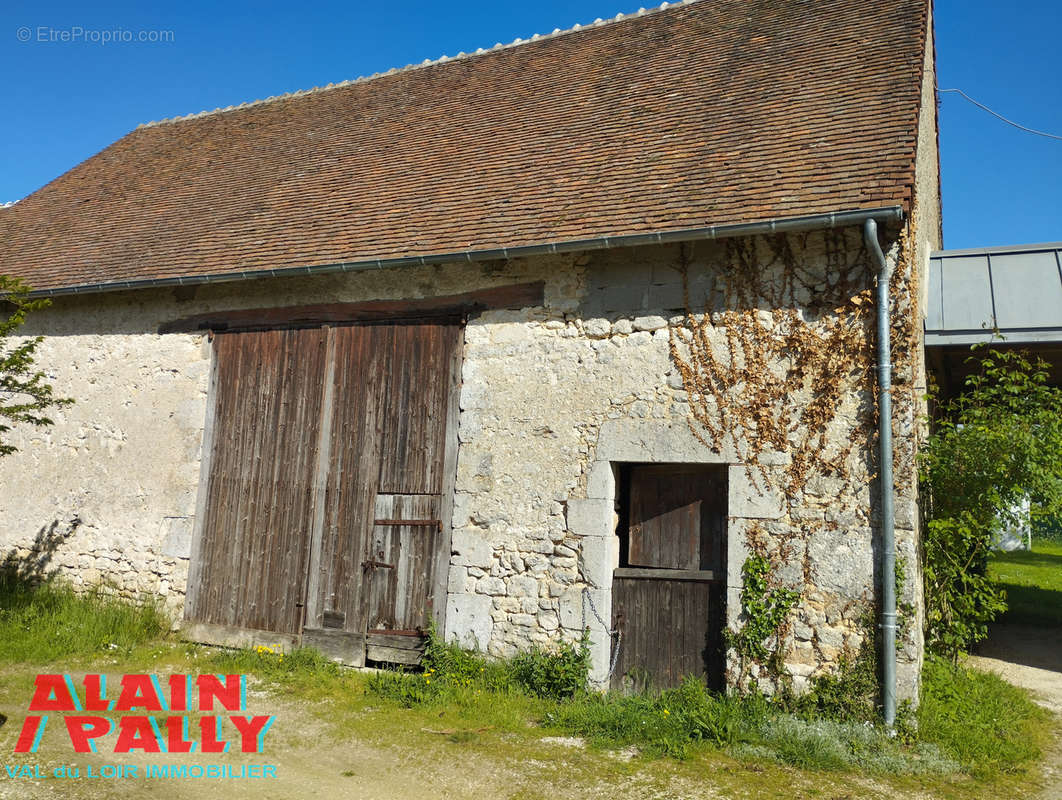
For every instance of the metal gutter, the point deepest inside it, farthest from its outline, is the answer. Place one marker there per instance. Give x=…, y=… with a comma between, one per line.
x=840, y=219
x=888, y=531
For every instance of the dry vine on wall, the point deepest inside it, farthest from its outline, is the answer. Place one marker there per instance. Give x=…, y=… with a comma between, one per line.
x=779, y=360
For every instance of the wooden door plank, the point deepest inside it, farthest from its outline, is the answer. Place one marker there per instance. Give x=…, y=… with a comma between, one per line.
x=313, y=611
x=352, y=474
x=668, y=627
x=665, y=574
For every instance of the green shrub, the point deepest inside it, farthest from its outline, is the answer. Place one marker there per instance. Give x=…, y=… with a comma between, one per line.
x=548, y=674
x=764, y=607
x=961, y=596
x=668, y=723
x=996, y=446
x=848, y=695
x=553, y=675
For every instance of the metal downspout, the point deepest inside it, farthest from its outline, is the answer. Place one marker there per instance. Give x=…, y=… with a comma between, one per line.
x=888, y=533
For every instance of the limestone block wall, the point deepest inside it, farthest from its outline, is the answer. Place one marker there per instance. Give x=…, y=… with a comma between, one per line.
x=108, y=493
x=553, y=398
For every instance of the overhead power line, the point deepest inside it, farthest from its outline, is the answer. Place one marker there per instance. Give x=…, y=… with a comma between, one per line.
x=1000, y=116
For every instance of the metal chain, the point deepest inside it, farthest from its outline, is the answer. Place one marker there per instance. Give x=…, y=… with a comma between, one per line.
x=612, y=632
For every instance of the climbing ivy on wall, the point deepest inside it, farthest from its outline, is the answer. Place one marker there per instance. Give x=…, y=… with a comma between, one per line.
x=779, y=358
x=765, y=605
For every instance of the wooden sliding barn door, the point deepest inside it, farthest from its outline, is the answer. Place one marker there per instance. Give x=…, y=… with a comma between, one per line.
x=379, y=572
x=250, y=568
x=668, y=597
x=329, y=483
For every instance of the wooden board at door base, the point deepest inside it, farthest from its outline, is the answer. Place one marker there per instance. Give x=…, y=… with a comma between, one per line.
x=328, y=490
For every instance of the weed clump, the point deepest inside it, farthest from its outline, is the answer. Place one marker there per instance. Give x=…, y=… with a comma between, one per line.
x=978, y=719
x=556, y=675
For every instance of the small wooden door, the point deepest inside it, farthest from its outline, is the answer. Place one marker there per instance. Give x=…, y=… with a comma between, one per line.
x=668, y=595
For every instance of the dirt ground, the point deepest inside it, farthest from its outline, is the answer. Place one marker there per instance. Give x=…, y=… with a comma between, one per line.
x=398, y=760
x=1030, y=657
x=424, y=764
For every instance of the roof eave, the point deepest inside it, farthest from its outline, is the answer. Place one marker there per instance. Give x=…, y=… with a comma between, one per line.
x=837, y=219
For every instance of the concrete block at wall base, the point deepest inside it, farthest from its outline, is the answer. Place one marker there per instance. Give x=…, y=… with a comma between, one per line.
x=842, y=562
x=751, y=501
x=590, y=517
x=571, y=617
x=733, y=607
x=906, y=513
x=737, y=551
x=468, y=620
x=908, y=678
x=572, y=608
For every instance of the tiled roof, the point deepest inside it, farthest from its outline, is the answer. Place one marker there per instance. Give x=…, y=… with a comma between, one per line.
x=706, y=113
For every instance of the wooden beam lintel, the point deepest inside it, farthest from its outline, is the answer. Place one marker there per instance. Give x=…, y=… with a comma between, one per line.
x=513, y=296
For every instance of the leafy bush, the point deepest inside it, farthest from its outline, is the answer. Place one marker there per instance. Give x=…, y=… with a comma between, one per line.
x=995, y=446
x=553, y=675
x=25, y=397
x=848, y=695
x=764, y=607
x=548, y=674
x=961, y=596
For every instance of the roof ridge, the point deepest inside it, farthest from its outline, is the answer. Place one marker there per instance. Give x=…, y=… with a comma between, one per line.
x=537, y=37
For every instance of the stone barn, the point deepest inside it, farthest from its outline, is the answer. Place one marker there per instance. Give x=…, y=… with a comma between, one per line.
x=574, y=333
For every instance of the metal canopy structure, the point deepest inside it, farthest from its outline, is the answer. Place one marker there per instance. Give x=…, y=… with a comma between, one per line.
x=1015, y=292
x=1010, y=296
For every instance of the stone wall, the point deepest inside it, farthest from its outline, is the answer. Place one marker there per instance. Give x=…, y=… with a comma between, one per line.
x=553, y=398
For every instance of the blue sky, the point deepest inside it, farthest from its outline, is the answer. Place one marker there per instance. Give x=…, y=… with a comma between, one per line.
x=65, y=101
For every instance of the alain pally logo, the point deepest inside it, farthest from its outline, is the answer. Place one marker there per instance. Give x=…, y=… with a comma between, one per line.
x=179, y=714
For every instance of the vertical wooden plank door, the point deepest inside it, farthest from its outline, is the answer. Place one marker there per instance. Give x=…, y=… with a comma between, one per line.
x=668, y=596
x=382, y=548
x=329, y=468
x=250, y=568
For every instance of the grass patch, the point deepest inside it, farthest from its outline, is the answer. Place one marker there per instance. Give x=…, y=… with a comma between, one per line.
x=680, y=722
x=969, y=722
x=987, y=725
x=303, y=670
x=1033, y=581
x=49, y=621
x=670, y=723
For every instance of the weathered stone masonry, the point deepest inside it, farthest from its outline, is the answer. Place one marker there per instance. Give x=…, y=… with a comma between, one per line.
x=552, y=399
